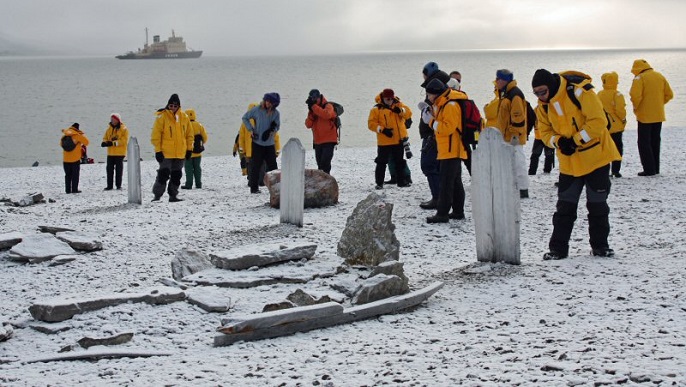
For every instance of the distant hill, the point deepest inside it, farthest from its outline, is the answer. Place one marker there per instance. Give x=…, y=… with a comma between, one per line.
x=12, y=48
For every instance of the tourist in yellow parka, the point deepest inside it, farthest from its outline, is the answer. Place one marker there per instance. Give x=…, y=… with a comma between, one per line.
x=445, y=118
x=649, y=93
x=192, y=165
x=615, y=107
x=172, y=137
x=584, y=149
x=116, y=140
x=71, y=159
x=387, y=119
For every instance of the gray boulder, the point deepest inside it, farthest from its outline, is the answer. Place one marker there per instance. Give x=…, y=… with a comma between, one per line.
x=39, y=248
x=393, y=268
x=187, y=262
x=377, y=288
x=321, y=189
x=10, y=239
x=369, y=235
x=264, y=254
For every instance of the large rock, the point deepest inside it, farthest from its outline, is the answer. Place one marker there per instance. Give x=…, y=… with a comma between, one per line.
x=321, y=189
x=39, y=248
x=6, y=332
x=262, y=255
x=369, y=235
x=10, y=239
x=187, y=262
x=379, y=287
x=79, y=241
x=393, y=268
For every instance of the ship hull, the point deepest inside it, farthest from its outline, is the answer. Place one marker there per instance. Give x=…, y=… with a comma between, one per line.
x=161, y=55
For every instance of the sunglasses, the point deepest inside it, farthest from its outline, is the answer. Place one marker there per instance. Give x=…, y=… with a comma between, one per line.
x=173, y=105
x=541, y=93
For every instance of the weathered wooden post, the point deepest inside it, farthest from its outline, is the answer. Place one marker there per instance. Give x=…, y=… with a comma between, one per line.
x=292, y=201
x=133, y=169
x=495, y=200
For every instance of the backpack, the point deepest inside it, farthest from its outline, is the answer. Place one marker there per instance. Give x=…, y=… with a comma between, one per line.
x=338, y=109
x=67, y=143
x=197, y=144
x=575, y=80
x=530, y=118
x=471, y=121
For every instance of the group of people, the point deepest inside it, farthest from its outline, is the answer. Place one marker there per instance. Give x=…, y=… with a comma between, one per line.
x=582, y=128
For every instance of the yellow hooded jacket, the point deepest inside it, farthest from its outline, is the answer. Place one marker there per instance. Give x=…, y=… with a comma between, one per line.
x=649, y=93
x=447, y=125
x=560, y=117
x=511, y=120
x=491, y=110
x=245, y=138
x=381, y=117
x=172, y=135
x=119, y=137
x=79, y=139
x=613, y=102
x=198, y=129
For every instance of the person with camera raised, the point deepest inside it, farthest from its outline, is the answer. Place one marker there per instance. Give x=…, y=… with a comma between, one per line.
x=320, y=119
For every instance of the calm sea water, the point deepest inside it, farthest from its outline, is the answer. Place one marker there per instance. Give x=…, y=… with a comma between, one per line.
x=41, y=96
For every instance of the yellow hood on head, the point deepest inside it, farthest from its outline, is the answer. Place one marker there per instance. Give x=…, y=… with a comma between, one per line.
x=640, y=65
x=610, y=80
x=191, y=114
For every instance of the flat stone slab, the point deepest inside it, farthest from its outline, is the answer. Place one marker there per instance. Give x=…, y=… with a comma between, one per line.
x=53, y=229
x=79, y=240
x=121, y=338
x=62, y=309
x=10, y=239
x=208, y=299
x=262, y=255
x=290, y=273
x=39, y=248
x=99, y=354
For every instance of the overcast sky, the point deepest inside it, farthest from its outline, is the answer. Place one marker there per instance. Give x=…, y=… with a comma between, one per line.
x=248, y=27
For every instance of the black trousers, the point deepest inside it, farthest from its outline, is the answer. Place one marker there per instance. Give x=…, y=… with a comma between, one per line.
x=323, y=153
x=549, y=157
x=649, y=146
x=71, y=176
x=451, y=191
x=383, y=155
x=617, y=138
x=261, y=154
x=597, y=185
x=114, y=164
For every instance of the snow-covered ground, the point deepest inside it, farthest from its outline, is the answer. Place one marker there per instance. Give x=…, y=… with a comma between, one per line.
x=582, y=320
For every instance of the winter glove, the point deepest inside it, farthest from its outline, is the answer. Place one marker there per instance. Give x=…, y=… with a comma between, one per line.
x=188, y=155
x=427, y=116
x=106, y=144
x=265, y=135
x=566, y=145
x=159, y=156
x=397, y=110
x=388, y=132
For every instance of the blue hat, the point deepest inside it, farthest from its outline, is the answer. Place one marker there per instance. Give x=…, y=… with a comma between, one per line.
x=430, y=69
x=315, y=94
x=504, y=74
x=274, y=98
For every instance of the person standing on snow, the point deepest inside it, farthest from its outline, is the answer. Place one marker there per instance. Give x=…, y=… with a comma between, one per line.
x=116, y=140
x=320, y=119
x=192, y=165
x=649, y=93
x=172, y=137
x=71, y=159
x=262, y=122
x=584, y=151
x=614, y=105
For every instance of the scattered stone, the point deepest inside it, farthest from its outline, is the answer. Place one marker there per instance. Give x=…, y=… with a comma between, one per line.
x=377, y=288
x=50, y=329
x=369, y=235
x=187, y=262
x=62, y=259
x=10, y=239
x=321, y=189
x=171, y=283
x=6, y=332
x=30, y=199
x=53, y=229
x=39, y=248
x=393, y=268
x=552, y=367
x=278, y=306
x=122, y=338
x=68, y=348
x=300, y=298
x=63, y=309
x=35, y=164
x=262, y=255
x=208, y=300
x=79, y=241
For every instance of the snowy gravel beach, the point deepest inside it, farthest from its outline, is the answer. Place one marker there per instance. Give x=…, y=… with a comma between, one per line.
x=578, y=321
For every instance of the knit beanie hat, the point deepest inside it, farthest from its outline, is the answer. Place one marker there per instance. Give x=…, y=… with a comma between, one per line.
x=75, y=125
x=436, y=87
x=543, y=77
x=430, y=68
x=504, y=74
x=117, y=116
x=315, y=94
x=388, y=93
x=174, y=99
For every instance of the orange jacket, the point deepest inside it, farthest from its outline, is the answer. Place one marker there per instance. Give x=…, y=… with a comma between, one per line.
x=321, y=121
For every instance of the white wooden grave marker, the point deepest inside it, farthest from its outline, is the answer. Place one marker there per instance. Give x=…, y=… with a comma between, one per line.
x=292, y=201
